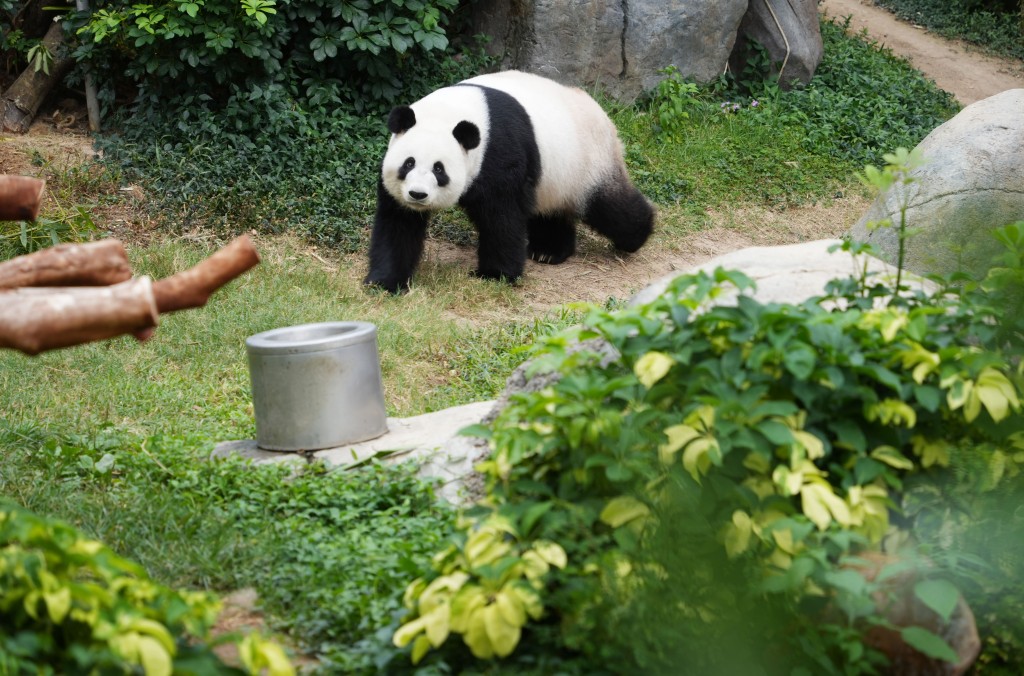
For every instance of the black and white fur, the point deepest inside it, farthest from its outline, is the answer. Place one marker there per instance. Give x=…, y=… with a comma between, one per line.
x=524, y=156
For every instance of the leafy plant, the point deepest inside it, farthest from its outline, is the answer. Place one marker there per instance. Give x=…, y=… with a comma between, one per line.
x=68, y=604
x=996, y=26
x=716, y=480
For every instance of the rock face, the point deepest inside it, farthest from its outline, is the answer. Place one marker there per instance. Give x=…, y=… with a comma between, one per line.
x=617, y=45
x=789, y=31
x=972, y=182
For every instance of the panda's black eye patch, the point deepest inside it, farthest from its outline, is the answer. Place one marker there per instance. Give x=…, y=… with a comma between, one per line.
x=440, y=174
x=406, y=167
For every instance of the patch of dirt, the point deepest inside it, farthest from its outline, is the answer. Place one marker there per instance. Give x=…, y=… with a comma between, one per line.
x=597, y=273
x=955, y=66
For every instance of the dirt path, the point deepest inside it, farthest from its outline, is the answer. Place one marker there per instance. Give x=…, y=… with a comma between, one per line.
x=955, y=67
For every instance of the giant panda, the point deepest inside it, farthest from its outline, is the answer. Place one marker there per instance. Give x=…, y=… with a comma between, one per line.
x=524, y=156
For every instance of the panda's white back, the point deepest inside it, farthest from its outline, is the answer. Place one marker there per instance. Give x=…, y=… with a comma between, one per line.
x=579, y=145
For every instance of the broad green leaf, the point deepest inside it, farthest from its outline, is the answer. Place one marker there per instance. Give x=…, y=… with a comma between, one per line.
x=652, y=367
x=941, y=596
x=464, y=606
x=800, y=360
x=929, y=644
x=623, y=509
x=438, y=624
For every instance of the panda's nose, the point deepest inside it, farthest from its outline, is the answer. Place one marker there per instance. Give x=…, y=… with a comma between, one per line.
x=418, y=196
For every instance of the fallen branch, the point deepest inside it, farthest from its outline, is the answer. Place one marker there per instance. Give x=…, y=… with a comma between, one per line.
x=37, y=319
x=20, y=197
x=90, y=264
x=193, y=287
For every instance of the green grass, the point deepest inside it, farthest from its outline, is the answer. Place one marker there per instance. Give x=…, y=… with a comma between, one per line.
x=330, y=553
x=994, y=31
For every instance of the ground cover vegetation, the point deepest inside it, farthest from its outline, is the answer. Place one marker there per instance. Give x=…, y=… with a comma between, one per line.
x=113, y=438
x=993, y=25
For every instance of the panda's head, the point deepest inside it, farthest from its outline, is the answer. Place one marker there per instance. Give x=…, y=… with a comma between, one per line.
x=427, y=164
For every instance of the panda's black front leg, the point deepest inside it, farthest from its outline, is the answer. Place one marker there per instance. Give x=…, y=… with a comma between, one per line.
x=396, y=243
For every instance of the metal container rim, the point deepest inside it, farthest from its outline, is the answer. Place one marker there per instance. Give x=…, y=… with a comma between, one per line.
x=314, y=337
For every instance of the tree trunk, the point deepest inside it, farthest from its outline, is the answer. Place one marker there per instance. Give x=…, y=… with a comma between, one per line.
x=90, y=264
x=22, y=100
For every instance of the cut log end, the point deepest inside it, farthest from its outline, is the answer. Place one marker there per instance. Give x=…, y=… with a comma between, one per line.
x=20, y=197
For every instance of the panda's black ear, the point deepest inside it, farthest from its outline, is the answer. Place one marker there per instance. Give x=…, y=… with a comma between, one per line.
x=467, y=134
x=401, y=119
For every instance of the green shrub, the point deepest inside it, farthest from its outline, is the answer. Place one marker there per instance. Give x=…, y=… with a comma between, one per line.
x=994, y=25
x=68, y=604
x=699, y=502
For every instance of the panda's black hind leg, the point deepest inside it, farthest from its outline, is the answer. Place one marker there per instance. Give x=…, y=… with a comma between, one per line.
x=622, y=214
x=552, y=239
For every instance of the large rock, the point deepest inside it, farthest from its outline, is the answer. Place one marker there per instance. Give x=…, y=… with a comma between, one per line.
x=791, y=34
x=973, y=182
x=619, y=46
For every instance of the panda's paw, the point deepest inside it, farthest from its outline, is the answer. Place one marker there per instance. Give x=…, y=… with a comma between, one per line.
x=497, y=275
x=547, y=257
x=391, y=285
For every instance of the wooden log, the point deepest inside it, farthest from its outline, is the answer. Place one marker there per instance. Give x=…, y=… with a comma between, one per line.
x=193, y=287
x=21, y=101
x=20, y=197
x=34, y=320
x=91, y=264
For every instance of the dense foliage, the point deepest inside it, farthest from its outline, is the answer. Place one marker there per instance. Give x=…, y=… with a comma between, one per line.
x=995, y=25
x=326, y=551
x=695, y=492
x=68, y=604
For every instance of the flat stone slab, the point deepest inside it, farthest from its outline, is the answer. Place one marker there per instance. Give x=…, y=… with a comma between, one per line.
x=789, y=273
x=431, y=440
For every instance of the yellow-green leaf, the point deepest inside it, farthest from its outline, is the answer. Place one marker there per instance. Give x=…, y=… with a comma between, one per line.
x=408, y=631
x=821, y=504
x=420, y=647
x=737, y=533
x=511, y=607
x=476, y=638
x=58, y=603
x=153, y=657
x=652, y=367
x=698, y=456
x=892, y=457
x=931, y=451
x=438, y=624
x=531, y=600
x=623, y=509
x=504, y=637
x=812, y=445
x=678, y=437
x=551, y=552
x=464, y=606
x=997, y=394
